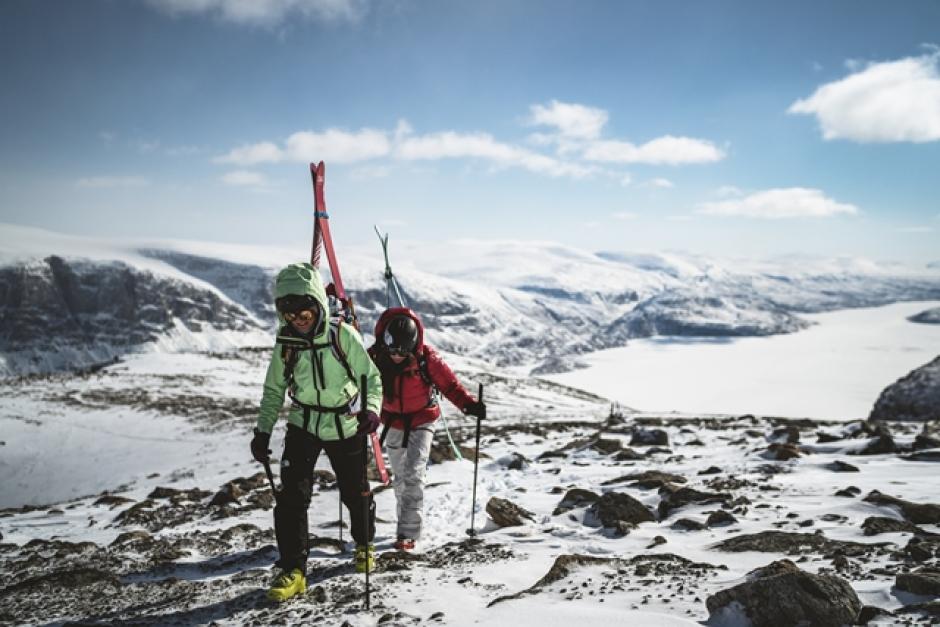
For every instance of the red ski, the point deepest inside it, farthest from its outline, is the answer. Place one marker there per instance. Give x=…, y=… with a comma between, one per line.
x=323, y=238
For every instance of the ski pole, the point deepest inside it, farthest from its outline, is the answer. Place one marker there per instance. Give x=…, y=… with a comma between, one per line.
x=476, y=464
x=363, y=413
x=267, y=469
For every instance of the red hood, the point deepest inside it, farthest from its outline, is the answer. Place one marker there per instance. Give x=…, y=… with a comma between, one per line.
x=388, y=314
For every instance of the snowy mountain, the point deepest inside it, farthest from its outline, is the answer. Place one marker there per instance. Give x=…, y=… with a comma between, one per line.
x=915, y=396
x=70, y=302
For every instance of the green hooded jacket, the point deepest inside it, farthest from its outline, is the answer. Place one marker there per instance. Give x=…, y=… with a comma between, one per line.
x=326, y=384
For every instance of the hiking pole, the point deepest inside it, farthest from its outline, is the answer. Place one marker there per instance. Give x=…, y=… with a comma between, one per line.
x=476, y=464
x=267, y=469
x=363, y=413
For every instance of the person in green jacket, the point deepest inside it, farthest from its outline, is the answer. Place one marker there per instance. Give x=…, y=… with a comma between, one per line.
x=318, y=363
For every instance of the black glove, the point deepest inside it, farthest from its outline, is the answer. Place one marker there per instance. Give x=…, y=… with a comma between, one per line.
x=259, y=446
x=477, y=409
x=368, y=423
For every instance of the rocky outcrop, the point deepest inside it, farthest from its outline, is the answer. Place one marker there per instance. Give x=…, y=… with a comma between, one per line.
x=917, y=513
x=618, y=511
x=782, y=594
x=794, y=544
x=505, y=513
x=915, y=396
x=928, y=316
x=924, y=581
x=674, y=498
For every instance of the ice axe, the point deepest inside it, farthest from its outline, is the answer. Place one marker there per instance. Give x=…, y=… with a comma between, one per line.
x=476, y=464
x=267, y=470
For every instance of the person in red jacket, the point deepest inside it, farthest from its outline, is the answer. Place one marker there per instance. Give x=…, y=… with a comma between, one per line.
x=411, y=370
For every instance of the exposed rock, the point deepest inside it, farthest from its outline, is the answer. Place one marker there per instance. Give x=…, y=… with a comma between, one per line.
x=915, y=396
x=789, y=434
x=922, y=548
x=648, y=480
x=789, y=596
x=825, y=438
x=869, y=613
x=924, y=581
x=928, y=316
x=875, y=525
x=881, y=445
x=924, y=441
x=230, y=493
x=794, y=544
x=607, y=446
x=679, y=497
x=841, y=466
x=931, y=608
x=514, y=461
x=575, y=498
x=113, y=500
x=649, y=437
x=850, y=492
x=720, y=518
x=614, y=507
x=923, y=456
x=688, y=524
x=711, y=470
x=782, y=452
x=629, y=455
x=917, y=513
x=505, y=513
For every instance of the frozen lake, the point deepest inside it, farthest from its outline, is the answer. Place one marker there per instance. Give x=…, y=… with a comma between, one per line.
x=836, y=369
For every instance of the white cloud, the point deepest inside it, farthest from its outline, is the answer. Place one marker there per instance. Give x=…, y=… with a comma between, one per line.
x=266, y=12
x=623, y=215
x=251, y=154
x=337, y=146
x=915, y=229
x=891, y=101
x=244, y=178
x=793, y=202
x=666, y=150
x=571, y=120
x=366, y=173
x=107, y=182
x=660, y=183
x=626, y=180
x=305, y=146
x=450, y=144
x=728, y=191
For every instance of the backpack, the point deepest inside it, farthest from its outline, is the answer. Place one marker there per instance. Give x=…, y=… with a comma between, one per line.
x=291, y=347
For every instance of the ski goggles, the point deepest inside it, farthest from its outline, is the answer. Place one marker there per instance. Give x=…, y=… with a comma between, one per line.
x=304, y=316
x=402, y=352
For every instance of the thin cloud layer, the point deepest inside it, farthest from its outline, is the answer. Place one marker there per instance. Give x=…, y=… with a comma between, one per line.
x=244, y=178
x=265, y=12
x=893, y=101
x=666, y=150
x=575, y=138
x=792, y=202
x=110, y=182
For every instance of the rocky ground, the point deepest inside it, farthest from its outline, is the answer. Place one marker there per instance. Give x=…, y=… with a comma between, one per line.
x=688, y=519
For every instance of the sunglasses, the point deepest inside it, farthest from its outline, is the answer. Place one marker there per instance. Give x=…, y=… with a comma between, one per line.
x=303, y=316
x=398, y=351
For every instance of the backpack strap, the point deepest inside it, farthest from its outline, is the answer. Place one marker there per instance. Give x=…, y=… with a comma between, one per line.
x=336, y=347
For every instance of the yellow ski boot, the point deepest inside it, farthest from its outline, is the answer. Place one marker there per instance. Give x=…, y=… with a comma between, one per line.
x=287, y=585
x=365, y=558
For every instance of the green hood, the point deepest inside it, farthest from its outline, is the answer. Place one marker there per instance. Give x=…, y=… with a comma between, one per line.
x=303, y=279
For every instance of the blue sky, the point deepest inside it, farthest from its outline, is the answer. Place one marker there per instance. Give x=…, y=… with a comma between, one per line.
x=728, y=128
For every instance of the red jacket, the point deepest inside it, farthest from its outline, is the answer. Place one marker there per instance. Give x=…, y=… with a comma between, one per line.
x=411, y=394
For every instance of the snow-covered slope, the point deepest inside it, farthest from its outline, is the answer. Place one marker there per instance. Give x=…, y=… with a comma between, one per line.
x=74, y=302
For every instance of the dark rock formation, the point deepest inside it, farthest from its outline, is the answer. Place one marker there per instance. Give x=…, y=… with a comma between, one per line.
x=794, y=544
x=782, y=594
x=875, y=525
x=720, y=518
x=505, y=513
x=648, y=480
x=674, y=498
x=917, y=513
x=649, y=437
x=574, y=498
x=841, y=466
x=924, y=581
x=915, y=396
x=613, y=508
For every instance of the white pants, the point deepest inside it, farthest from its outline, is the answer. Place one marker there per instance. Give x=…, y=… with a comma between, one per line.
x=409, y=467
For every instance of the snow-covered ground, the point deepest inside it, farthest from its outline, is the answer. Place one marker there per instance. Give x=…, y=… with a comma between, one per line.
x=834, y=369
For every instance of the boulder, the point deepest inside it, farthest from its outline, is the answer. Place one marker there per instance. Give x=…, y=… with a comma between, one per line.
x=573, y=498
x=915, y=396
x=629, y=455
x=505, y=513
x=606, y=446
x=615, y=507
x=875, y=525
x=648, y=480
x=782, y=594
x=881, y=445
x=674, y=498
x=782, y=452
x=794, y=544
x=720, y=518
x=649, y=437
x=917, y=513
x=841, y=466
x=924, y=581
x=688, y=524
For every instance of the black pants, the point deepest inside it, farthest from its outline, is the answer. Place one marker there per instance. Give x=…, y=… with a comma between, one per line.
x=301, y=450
